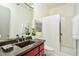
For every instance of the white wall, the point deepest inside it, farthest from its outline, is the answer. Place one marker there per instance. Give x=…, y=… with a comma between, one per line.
x=20, y=14
x=66, y=12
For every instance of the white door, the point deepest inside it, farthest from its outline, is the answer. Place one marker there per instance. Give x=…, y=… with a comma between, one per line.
x=67, y=42
x=50, y=31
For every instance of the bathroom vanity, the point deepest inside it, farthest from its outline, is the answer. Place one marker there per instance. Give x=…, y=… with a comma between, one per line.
x=37, y=51
x=34, y=49
x=22, y=48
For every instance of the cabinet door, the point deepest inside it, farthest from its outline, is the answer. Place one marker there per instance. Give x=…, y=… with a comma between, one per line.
x=41, y=52
x=42, y=49
x=32, y=52
x=42, y=46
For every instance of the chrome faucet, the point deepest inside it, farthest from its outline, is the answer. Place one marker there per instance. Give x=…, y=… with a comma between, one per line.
x=23, y=39
x=17, y=38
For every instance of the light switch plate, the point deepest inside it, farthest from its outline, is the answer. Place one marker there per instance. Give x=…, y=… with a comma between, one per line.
x=0, y=35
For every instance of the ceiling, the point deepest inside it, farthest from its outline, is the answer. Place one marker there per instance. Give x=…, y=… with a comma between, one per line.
x=47, y=5
x=53, y=5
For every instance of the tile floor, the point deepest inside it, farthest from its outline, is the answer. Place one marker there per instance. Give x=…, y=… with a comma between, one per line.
x=64, y=52
x=53, y=54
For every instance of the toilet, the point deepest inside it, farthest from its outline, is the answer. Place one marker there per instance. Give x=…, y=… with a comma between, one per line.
x=49, y=51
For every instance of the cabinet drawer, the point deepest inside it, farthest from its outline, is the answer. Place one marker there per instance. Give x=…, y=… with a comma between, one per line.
x=42, y=46
x=32, y=52
x=41, y=52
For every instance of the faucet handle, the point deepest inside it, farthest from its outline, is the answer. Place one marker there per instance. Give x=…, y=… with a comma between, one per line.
x=23, y=38
x=17, y=35
x=17, y=39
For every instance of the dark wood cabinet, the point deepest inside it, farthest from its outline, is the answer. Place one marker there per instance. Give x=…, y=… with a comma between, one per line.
x=37, y=51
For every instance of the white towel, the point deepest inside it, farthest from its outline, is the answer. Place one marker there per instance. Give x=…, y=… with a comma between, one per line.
x=75, y=27
x=7, y=46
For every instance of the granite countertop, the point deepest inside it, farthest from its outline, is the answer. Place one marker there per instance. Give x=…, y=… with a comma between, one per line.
x=19, y=51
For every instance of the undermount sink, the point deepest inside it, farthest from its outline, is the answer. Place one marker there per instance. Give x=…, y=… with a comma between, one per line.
x=25, y=43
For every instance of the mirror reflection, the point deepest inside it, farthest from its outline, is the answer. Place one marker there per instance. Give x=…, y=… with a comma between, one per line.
x=13, y=19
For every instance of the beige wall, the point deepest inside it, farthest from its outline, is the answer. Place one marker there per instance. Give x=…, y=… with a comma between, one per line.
x=67, y=12
x=40, y=11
